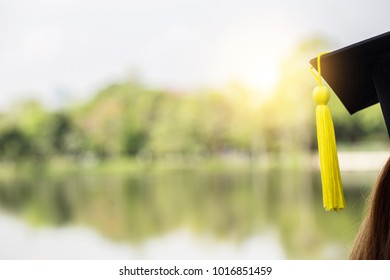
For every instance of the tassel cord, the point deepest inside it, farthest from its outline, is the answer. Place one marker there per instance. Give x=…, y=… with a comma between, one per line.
x=333, y=196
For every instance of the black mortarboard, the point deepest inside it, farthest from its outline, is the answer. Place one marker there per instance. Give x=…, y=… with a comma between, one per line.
x=359, y=74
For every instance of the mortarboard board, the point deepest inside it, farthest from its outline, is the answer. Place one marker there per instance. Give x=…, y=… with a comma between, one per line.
x=359, y=74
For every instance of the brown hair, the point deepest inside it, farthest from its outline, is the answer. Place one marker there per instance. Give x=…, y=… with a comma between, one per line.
x=373, y=239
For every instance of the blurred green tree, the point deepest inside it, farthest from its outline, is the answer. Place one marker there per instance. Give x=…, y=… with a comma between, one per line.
x=128, y=119
x=15, y=145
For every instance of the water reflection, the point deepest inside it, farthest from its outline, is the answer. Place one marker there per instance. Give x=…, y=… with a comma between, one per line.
x=243, y=214
x=20, y=241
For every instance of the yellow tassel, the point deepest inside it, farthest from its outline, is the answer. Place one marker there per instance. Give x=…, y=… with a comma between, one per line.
x=332, y=190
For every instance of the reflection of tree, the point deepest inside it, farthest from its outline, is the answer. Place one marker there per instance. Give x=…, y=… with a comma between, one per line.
x=134, y=208
x=230, y=206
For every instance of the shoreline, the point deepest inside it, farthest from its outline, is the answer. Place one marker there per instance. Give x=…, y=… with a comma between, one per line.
x=349, y=162
x=359, y=161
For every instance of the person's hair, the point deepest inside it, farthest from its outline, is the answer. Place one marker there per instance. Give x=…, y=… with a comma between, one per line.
x=373, y=239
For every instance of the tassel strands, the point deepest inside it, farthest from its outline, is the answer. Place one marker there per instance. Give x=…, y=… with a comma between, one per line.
x=333, y=196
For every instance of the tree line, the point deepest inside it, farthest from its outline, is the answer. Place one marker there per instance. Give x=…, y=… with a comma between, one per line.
x=129, y=119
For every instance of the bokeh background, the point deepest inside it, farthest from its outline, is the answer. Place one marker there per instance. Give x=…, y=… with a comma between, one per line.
x=176, y=129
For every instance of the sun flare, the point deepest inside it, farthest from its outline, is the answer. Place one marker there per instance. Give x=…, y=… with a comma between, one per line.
x=261, y=78
x=251, y=53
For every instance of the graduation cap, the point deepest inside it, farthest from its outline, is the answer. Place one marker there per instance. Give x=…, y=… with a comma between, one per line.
x=359, y=74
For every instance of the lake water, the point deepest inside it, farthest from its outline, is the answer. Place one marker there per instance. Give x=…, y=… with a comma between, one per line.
x=177, y=214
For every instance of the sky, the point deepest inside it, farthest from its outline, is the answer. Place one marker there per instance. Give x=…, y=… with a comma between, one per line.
x=58, y=51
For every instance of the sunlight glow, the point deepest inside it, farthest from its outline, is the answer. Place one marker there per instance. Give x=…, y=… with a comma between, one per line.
x=251, y=52
x=263, y=77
